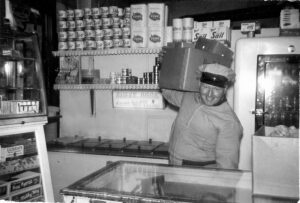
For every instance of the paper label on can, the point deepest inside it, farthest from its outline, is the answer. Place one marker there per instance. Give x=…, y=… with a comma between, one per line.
x=62, y=14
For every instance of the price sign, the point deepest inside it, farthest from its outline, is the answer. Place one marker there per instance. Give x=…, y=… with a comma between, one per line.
x=137, y=99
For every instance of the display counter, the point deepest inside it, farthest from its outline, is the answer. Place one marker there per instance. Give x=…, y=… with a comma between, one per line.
x=125, y=181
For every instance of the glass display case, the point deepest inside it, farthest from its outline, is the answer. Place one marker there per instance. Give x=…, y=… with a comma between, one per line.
x=22, y=90
x=126, y=181
x=24, y=166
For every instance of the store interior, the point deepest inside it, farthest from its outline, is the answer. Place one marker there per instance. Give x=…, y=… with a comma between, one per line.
x=85, y=133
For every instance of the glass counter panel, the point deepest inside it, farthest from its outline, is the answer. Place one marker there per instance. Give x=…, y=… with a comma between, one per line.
x=163, y=182
x=21, y=81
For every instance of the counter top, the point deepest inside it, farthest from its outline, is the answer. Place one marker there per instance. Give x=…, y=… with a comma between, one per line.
x=130, y=148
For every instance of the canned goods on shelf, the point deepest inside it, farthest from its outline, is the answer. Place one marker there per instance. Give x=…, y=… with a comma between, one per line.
x=62, y=14
x=115, y=21
x=106, y=22
x=126, y=22
x=113, y=11
x=62, y=36
x=126, y=42
x=90, y=44
x=62, y=46
x=79, y=13
x=107, y=32
x=117, y=32
x=118, y=43
x=90, y=34
x=62, y=25
x=87, y=13
x=98, y=23
x=80, y=35
x=99, y=44
x=127, y=10
x=71, y=45
x=97, y=38
x=126, y=32
x=99, y=33
x=89, y=23
x=79, y=24
x=71, y=25
x=120, y=12
x=70, y=14
x=104, y=11
x=79, y=44
x=71, y=35
x=96, y=12
x=108, y=43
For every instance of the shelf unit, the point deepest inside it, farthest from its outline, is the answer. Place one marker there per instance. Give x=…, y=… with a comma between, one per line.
x=104, y=52
x=106, y=87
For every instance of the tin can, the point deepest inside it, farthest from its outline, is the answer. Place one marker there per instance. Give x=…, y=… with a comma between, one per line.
x=99, y=44
x=90, y=44
x=118, y=43
x=115, y=21
x=127, y=11
x=120, y=12
x=80, y=35
x=79, y=13
x=117, y=32
x=106, y=22
x=126, y=22
x=104, y=11
x=71, y=25
x=98, y=23
x=126, y=32
x=79, y=24
x=113, y=11
x=70, y=14
x=71, y=45
x=71, y=35
x=79, y=45
x=96, y=12
x=99, y=33
x=62, y=14
x=62, y=25
x=62, y=46
x=187, y=35
x=62, y=36
x=89, y=34
x=87, y=12
x=97, y=38
x=108, y=43
x=108, y=33
x=126, y=42
x=119, y=80
x=89, y=23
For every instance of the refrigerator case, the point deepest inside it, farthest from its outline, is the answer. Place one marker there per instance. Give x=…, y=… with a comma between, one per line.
x=266, y=91
x=125, y=181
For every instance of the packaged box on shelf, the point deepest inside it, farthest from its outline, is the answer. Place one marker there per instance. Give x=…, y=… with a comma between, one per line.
x=4, y=187
x=139, y=15
x=200, y=32
x=222, y=34
x=156, y=15
x=27, y=194
x=275, y=164
x=23, y=181
x=155, y=37
x=18, y=165
x=221, y=23
x=139, y=37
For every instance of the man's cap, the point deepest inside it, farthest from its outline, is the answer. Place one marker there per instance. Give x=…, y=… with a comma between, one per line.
x=216, y=74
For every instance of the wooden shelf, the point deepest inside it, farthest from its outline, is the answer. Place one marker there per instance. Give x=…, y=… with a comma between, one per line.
x=106, y=86
x=106, y=52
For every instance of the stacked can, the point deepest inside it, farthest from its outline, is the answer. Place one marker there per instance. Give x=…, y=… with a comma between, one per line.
x=187, y=31
x=156, y=70
x=94, y=28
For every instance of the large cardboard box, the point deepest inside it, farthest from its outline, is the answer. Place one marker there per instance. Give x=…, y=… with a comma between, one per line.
x=180, y=67
x=275, y=164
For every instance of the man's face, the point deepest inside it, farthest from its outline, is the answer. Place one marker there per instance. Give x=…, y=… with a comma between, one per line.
x=210, y=94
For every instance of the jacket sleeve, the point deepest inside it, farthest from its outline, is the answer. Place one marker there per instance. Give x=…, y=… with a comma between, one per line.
x=172, y=96
x=228, y=145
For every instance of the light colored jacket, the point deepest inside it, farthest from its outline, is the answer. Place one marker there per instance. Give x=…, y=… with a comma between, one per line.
x=204, y=133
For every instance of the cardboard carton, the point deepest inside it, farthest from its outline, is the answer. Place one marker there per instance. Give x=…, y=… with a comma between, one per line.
x=275, y=164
